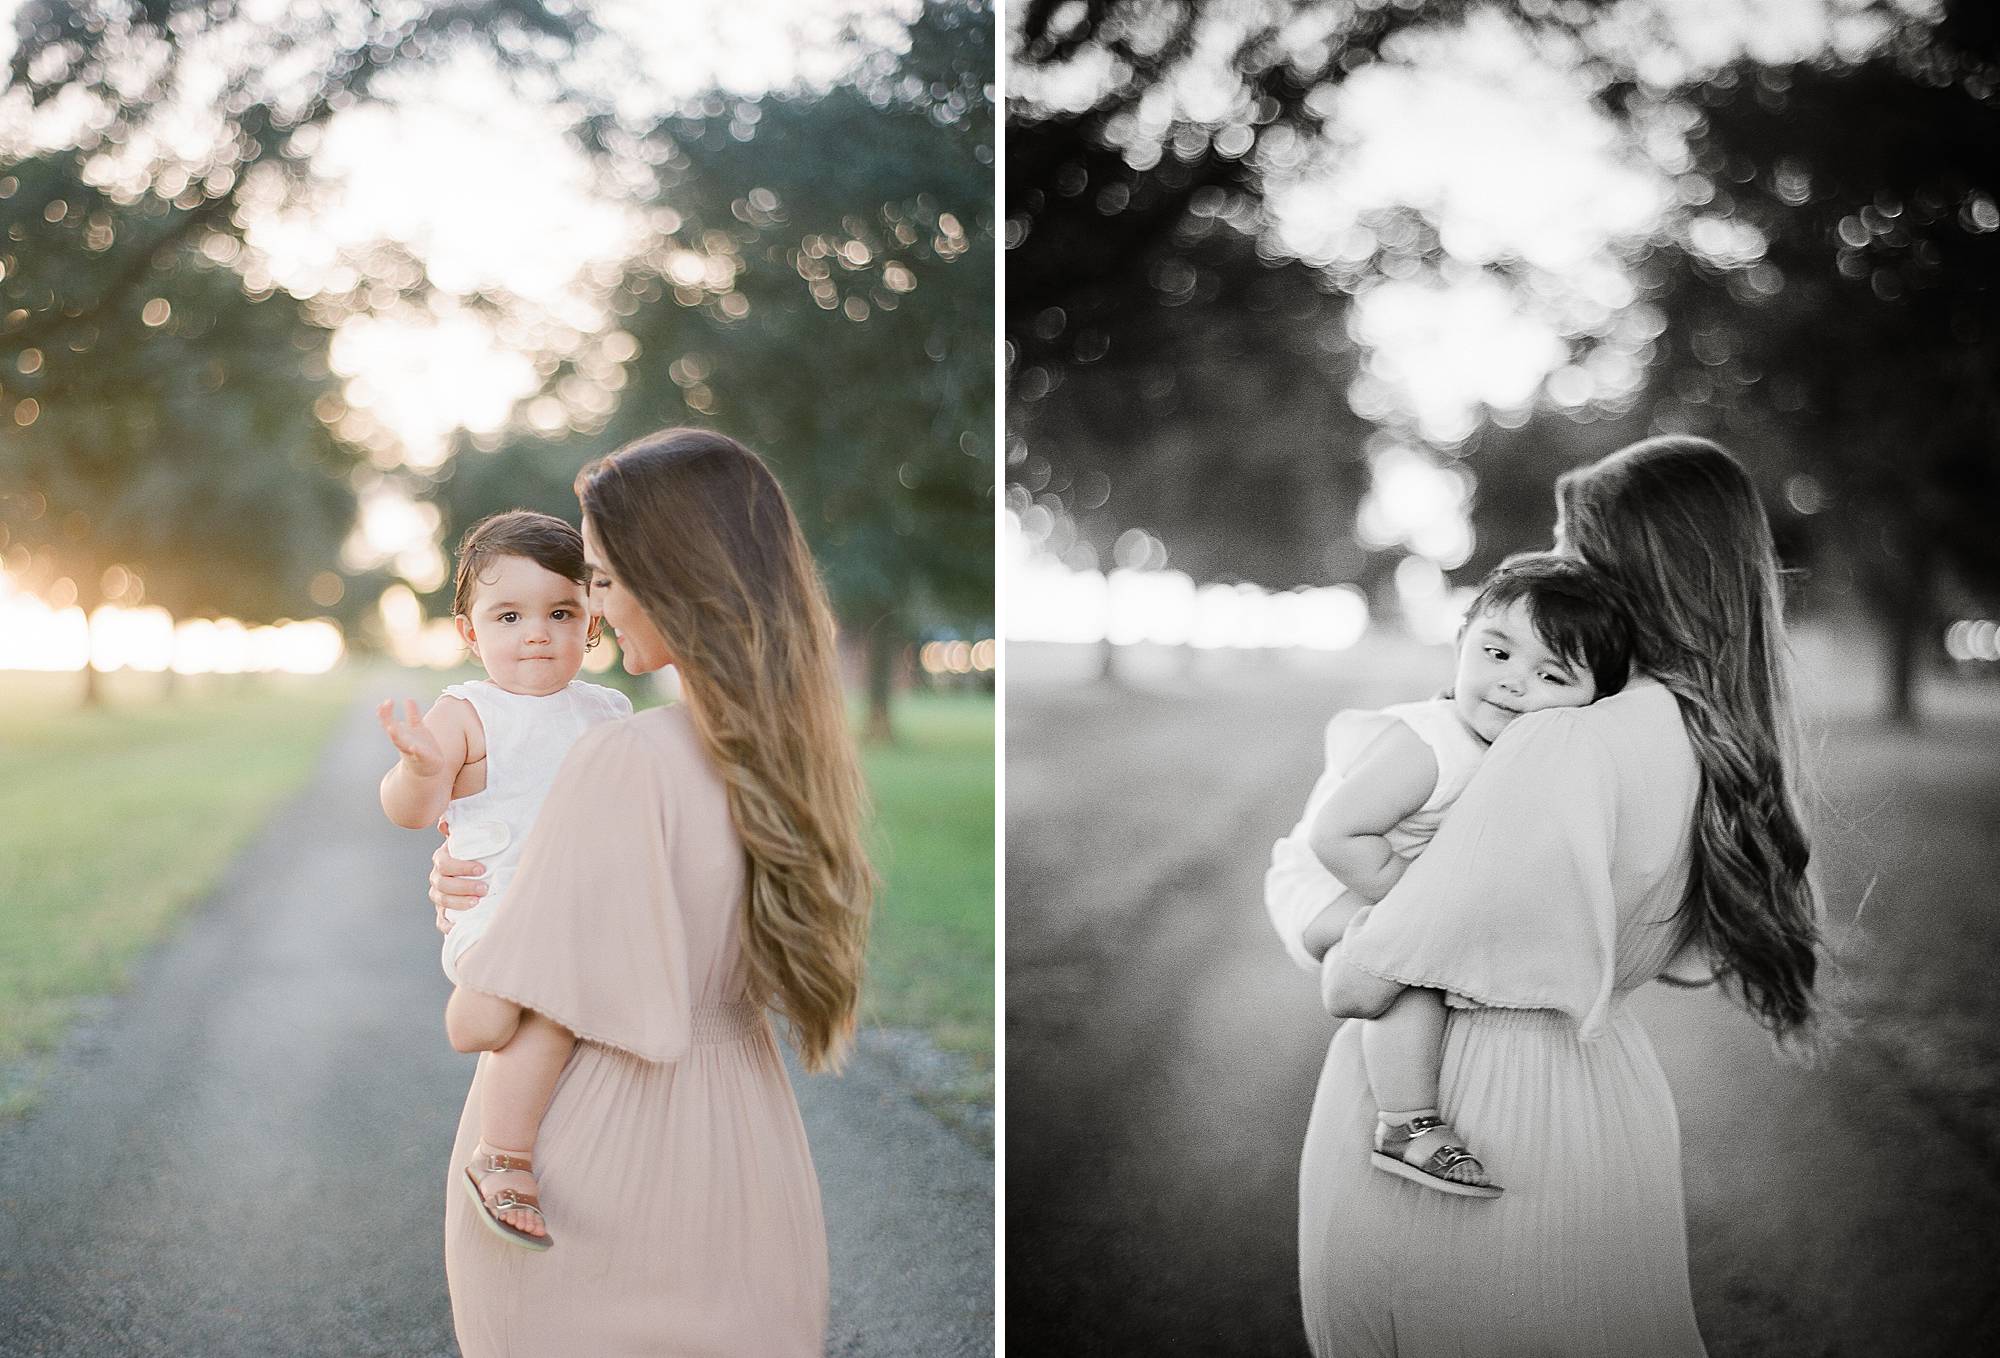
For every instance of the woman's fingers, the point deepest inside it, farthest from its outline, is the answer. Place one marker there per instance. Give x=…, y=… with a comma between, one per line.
x=455, y=883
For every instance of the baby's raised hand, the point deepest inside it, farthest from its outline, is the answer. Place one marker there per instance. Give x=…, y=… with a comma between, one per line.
x=420, y=749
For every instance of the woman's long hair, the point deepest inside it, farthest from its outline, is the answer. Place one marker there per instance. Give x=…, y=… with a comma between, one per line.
x=1676, y=522
x=698, y=529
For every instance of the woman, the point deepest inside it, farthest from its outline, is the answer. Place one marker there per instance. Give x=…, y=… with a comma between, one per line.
x=691, y=866
x=1593, y=848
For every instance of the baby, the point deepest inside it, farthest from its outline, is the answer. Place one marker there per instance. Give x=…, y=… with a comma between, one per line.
x=1544, y=631
x=483, y=758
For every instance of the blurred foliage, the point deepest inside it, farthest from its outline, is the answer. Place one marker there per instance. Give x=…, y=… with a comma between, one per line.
x=1861, y=349
x=1170, y=365
x=163, y=406
x=1159, y=349
x=818, y=282
x=821, y=287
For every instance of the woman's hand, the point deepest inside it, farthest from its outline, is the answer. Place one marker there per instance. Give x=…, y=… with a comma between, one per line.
x=412, y=739
x=455, y=883
x=1349, y=992
x=1330, y=925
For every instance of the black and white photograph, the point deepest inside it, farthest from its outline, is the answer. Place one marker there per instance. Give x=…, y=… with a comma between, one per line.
x=1502, y=696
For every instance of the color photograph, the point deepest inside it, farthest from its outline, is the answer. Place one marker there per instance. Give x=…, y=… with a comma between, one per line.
x=497, y=678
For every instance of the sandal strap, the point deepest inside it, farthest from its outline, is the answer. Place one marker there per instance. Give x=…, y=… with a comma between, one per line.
x=1450, y=1158
x=1401, y=1141
x=506, y=1200
x=496, y=1162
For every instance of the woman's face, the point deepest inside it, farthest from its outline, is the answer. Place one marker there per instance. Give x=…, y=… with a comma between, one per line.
x=639, y=642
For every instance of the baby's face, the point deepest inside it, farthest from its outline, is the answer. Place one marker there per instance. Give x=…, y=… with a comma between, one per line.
x=1504, y=669
x=528, y=626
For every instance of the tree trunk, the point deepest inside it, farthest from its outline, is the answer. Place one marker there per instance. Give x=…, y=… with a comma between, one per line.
x=88, y=596
x=1902, y=634
x=1906, y=608
x=885, y=647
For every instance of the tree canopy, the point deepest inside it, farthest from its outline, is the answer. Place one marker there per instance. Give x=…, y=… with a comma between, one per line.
x=821, y=287
x=1817, y=291
x=165, y=406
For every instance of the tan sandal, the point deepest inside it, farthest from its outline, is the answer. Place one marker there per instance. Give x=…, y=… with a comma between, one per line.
x=507, y=1200
x=1423, y=1149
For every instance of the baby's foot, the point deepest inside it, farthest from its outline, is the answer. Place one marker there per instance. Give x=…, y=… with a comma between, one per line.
x=506, y=1184
x=1423, y=1148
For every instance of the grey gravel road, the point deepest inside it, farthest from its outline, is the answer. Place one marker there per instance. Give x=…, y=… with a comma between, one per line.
x=1162, y=1053
x=245, y=1155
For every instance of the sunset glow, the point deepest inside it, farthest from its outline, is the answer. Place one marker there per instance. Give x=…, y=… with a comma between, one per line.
x=36, y=635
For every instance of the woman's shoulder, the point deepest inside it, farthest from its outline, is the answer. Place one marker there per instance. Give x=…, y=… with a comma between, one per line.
x=654, y=756
x=1636, y=732
x=1644, y=717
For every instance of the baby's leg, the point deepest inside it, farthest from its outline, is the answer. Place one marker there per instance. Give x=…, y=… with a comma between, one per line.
x=520, y=1081
x=1402, y=1050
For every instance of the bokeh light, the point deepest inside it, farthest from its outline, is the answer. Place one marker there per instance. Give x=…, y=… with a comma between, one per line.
x=40, y=635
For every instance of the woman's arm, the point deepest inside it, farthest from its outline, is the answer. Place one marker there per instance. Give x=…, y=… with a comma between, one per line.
x=1349, y=992
x=1511, y=904
x=1328, y=926
x=1394, y=778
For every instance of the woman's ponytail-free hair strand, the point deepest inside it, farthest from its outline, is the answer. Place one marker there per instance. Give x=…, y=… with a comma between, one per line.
x=699, y=531
x=1676, y=522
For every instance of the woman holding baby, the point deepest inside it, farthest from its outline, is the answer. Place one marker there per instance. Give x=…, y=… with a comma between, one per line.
x=690, y=868
x=1596, y=848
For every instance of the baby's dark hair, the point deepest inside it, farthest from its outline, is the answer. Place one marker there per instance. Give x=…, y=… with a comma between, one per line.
x=541, y=538
x=1576, y=610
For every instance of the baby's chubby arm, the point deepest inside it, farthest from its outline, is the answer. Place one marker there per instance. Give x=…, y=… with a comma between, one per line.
x=434, y=749
x=1393, y=778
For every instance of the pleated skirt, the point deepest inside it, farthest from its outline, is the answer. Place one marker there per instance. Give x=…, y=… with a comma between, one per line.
x=684, y=1207
x=1584, y=1256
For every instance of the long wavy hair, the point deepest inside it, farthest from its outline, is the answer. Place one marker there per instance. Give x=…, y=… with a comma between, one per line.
x=1676, y=522
x=698, y=529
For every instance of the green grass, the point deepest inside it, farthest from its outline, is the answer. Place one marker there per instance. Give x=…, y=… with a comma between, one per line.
x=930, y=956
x=113, y=821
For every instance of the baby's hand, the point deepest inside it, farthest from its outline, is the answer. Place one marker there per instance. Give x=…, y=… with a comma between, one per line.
x=420, y=749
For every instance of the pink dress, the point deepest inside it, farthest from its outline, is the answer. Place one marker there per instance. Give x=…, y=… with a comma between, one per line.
x=673, y=1165
x=1548, y=895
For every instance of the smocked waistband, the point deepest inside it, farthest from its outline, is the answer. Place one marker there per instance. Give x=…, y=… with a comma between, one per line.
x=731, y=1021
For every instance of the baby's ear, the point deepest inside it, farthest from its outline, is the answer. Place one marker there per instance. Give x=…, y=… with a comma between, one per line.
x=596, y=632
x=466, y=634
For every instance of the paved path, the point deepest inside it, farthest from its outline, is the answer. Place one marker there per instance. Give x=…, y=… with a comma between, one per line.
x=1162, y=1053
x=244, y=1157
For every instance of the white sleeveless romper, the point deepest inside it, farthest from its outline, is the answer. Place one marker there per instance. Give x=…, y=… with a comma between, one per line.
x=526, y=740
x=1456, y=749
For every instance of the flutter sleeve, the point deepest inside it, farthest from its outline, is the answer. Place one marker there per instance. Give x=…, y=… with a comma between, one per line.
x=589, y=932
x=1511, y=905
